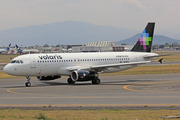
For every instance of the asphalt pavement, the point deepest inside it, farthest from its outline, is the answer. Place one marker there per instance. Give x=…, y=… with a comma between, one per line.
x=157, y=90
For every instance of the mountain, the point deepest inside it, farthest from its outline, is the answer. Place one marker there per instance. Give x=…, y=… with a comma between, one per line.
x=71, y=32
x=68, y=32
x=157, y=39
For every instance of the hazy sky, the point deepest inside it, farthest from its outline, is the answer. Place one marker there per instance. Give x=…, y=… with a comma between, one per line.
x=131, y=14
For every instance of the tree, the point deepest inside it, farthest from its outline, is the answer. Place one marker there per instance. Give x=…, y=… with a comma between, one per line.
x=166, y=44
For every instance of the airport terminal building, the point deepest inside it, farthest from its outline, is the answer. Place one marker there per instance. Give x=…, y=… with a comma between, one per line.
x=100, y=46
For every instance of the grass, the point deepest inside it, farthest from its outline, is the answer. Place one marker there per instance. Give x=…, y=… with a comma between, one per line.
x=170, y=58
x=148, y=70
x=6, y=58
x=86, y=114
x=171, y=55
x=42, y=116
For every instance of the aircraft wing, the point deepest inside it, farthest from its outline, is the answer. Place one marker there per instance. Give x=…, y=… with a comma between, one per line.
x=100, y=68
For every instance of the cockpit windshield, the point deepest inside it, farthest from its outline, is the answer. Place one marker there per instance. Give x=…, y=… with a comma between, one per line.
x=17, y=61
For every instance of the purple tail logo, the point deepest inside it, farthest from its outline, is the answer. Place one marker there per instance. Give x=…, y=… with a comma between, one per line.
x=144, y=39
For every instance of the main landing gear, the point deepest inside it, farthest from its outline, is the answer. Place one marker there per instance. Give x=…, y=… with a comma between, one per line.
x=96, y=81
x=28, y=84
x=70, y=81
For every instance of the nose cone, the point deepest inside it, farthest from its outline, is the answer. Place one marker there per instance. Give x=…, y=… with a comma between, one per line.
x=7, y=69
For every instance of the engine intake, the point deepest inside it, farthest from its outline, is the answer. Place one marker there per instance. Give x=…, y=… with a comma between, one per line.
x=46, y=78
x=82, y=75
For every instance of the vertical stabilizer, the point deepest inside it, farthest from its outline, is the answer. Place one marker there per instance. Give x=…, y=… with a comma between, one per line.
x=18, y=49
x=8, y=48
x=144, y=43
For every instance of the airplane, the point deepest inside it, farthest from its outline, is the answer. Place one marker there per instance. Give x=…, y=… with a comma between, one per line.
x=26, y=50
x=5, y=50
x=82, y=66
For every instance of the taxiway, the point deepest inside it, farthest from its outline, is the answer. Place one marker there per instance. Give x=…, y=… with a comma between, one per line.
x=119, y=90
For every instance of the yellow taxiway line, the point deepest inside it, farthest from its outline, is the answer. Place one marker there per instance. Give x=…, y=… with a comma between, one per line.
x=126, y=86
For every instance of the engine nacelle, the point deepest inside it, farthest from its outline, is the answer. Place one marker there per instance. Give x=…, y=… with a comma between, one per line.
x=47, y=78
x=82, y=75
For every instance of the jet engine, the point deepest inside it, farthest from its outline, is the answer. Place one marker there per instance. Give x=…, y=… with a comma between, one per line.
x=82, y=75
x=47, y=78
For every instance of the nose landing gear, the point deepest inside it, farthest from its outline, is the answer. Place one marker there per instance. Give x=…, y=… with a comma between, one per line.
x=28, y=84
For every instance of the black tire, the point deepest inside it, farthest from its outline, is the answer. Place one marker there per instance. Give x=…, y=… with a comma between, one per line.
x=27, y=84
x=96, y=81
x=70, y=81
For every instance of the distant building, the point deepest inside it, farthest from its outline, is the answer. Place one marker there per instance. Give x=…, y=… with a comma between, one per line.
x=100, y=46
x=101, y=43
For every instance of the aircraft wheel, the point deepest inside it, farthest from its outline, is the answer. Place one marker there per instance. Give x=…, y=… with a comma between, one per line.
x=96, y=81
x=70, y=81
x=27, y=84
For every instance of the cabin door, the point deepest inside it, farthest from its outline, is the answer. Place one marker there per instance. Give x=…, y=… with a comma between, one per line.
x=32, y=62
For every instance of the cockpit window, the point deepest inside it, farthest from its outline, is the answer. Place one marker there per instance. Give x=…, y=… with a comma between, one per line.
x=14, y=61
x=17, y=61
x=21, y=61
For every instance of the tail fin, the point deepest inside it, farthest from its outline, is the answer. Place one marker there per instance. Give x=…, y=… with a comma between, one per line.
x=19, y=50
x=144, y=43
x=8, y=48
x=16, y=47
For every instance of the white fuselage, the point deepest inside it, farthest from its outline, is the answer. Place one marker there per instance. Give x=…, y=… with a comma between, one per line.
x=62, y=63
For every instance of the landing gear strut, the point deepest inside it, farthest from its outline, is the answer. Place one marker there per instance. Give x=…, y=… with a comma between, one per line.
x=96, y=81
x=28, y=84
x=70, y=81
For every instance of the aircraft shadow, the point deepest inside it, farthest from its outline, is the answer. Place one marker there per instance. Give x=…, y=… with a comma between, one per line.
x=116, y=82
